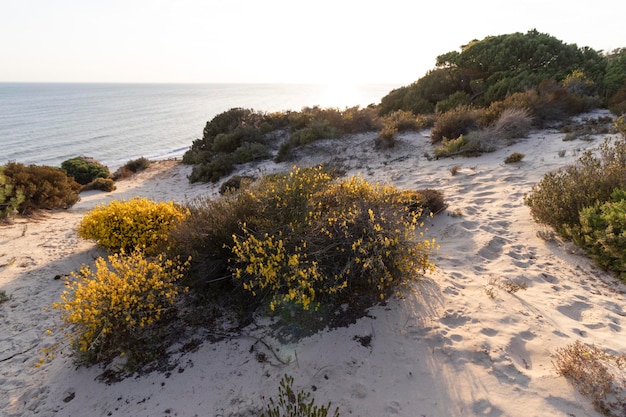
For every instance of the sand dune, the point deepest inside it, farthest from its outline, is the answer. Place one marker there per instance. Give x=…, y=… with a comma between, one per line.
x=476, y=337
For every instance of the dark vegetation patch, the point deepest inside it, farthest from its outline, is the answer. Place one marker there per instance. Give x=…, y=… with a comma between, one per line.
x=586, y=202
x=84, y=169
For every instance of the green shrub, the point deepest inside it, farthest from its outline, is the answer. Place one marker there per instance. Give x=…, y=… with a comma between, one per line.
x=454, y=123
x=136, y=223
x=603, y=233
x=10, y=197
x=118, y=309
x=292, y=404
x=237, y=130
x=459, y=98
x=219, y=167
x=315, y=123
x=43, y=187
x=321, y=130
x=617, y=102
x=514, y=157
x=284, y=151
x=241, y=135
x=451, y=146
x=84, y=170
x=249, y=151
x=299, y=120
x=560, y=196
x=318, y=129
x=102, y=184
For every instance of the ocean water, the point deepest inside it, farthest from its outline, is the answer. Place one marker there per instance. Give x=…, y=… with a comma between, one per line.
x=46, y=124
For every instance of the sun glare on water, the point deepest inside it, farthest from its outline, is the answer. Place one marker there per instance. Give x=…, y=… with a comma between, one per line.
x=341, y=95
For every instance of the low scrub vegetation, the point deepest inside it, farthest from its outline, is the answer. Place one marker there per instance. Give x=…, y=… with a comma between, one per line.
x=302, y=241
x=27, y=188
x=84, y=169
x=102, y=184
x=454, y=123
x=315, y=123
x=131, y=167
x=232, y=137
x=397, y=122
x=512, y=123
x=242, y=135
x=585, y=202
x=479, y=135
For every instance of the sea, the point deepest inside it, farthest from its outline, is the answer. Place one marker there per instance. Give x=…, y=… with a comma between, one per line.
x=48, y=123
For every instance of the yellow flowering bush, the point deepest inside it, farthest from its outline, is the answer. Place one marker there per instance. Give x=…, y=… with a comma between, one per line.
x=116, y=308
x=125, y=225
x=375, y=235
x=285, y=198
x=285, y=272
x=346, y=240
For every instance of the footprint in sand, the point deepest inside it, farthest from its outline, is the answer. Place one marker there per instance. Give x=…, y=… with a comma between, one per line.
x=574, y=310
x=454, y=319
x=523, y=256
x=492, y=250
x=517, y=349
x=489, y=332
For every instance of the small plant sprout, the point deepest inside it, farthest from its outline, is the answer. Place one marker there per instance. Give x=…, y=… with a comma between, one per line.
x=292, y=404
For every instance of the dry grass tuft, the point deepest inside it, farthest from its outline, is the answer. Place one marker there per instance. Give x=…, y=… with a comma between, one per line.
x=513, y=123
x=504, y=284
x=514, y=157
x=596, y=374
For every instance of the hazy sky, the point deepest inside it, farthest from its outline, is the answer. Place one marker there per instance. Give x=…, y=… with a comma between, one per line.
x=320, y=41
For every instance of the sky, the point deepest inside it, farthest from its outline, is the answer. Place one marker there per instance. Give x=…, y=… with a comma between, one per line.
x=273, y=41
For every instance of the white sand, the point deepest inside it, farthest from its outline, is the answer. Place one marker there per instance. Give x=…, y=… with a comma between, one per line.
x=448, y=349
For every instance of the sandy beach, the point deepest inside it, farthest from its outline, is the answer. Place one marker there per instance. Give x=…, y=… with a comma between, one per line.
x=477, y=337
